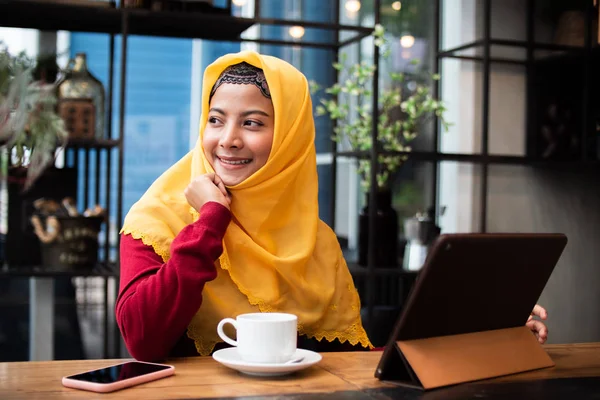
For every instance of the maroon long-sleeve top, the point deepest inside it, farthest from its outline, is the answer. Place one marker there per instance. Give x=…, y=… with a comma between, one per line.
x=157, y=300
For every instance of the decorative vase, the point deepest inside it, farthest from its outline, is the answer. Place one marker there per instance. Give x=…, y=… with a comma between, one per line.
x=81, y=101
x=386, y=228
x=420, y=232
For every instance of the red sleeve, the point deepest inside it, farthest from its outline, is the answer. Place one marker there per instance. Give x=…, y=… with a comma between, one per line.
x=157, y=300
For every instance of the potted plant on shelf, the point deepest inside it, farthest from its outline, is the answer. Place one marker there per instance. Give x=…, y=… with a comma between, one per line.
x=404, y=105
x=30, y=128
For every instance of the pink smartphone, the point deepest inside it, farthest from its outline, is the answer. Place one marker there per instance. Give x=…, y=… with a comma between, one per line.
x=116, y=377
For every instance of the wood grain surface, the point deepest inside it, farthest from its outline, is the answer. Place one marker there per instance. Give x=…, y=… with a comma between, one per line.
x=202, y=377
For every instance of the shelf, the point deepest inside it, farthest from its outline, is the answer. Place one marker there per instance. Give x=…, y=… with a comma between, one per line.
x=54, y=17
x=476, y=159
x=493, y=60
x=509, y=43
x=536, y=45
x=93, y=143
x=359, y=270
x=187, y=25
x=569, y=56
x=568, y=51
x=217, y=24
x=100, y=270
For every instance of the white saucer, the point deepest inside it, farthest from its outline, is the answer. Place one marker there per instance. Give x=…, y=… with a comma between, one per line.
x=231, y=358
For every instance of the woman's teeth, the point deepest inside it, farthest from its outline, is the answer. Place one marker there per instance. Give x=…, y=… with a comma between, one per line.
x=236, y=162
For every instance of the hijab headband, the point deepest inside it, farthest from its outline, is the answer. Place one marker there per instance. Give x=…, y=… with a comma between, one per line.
x=244, y=74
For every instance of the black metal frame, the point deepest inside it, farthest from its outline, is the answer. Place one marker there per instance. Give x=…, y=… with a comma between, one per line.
x=374, y=152
x=484, y=159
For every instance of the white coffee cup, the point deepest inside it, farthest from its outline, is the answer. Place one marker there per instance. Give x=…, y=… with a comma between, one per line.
x=263, y=337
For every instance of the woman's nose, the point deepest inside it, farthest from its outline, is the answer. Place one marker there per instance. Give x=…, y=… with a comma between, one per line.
x=231, y=137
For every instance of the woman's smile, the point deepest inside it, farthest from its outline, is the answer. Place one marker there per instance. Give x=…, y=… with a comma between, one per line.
x=234, y=162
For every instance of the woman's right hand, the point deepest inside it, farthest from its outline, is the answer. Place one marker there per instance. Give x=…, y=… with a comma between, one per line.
x=205, y=188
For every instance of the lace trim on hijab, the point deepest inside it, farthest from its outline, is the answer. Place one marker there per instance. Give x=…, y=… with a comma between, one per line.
x=161, y=249
x=353, y=334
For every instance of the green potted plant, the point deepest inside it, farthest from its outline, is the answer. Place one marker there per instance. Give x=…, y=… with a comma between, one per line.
x=30, y=128
x=403, y=109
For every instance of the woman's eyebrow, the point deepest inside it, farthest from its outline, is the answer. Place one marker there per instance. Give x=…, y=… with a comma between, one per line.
x=243, y=114
x=217, y=110
x=249, y=112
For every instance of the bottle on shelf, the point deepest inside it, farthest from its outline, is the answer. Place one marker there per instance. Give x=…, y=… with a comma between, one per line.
x=81, y=101
x=420, y=232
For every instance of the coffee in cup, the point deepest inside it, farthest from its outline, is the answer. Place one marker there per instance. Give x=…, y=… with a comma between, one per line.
x=263, y=337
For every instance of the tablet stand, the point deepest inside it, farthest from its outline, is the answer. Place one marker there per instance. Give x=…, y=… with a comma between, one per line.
x=448, y=360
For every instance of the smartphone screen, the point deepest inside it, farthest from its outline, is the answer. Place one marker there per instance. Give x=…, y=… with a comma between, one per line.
x=118, y=373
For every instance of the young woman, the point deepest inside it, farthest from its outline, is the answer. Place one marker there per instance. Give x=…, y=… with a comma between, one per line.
x=233, y=227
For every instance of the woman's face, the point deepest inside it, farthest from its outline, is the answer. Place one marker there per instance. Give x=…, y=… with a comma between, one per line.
x=239, y=132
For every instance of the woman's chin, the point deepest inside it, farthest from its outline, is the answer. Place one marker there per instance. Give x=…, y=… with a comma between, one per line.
x=230, y=179
x=232, y=176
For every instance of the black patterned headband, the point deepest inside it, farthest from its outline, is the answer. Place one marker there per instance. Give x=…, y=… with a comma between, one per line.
x=243, y=73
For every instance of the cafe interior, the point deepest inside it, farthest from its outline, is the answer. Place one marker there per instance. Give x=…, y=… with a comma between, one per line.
x=487, y=130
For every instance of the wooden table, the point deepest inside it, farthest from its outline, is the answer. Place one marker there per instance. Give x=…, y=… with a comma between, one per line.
x=202, y=377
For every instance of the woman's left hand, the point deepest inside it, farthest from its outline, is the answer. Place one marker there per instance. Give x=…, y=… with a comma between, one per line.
x=537, y=326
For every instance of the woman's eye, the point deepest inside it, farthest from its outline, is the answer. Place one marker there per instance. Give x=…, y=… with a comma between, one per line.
x=213, y=120
x=253, y=124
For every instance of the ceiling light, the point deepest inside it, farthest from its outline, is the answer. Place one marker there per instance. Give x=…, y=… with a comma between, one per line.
x=296, y=32
x=239, y=3
x=352, y=5
x=407, y=41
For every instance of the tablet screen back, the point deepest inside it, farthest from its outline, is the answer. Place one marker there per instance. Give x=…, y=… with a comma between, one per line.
x=478, y=282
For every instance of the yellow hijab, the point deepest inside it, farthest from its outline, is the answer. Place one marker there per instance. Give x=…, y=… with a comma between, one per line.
x=277, y=254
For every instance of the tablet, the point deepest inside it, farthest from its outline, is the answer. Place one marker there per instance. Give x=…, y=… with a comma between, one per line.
x=475, y=282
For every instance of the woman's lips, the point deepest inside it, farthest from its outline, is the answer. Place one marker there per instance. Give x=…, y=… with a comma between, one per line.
x=233, y=162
